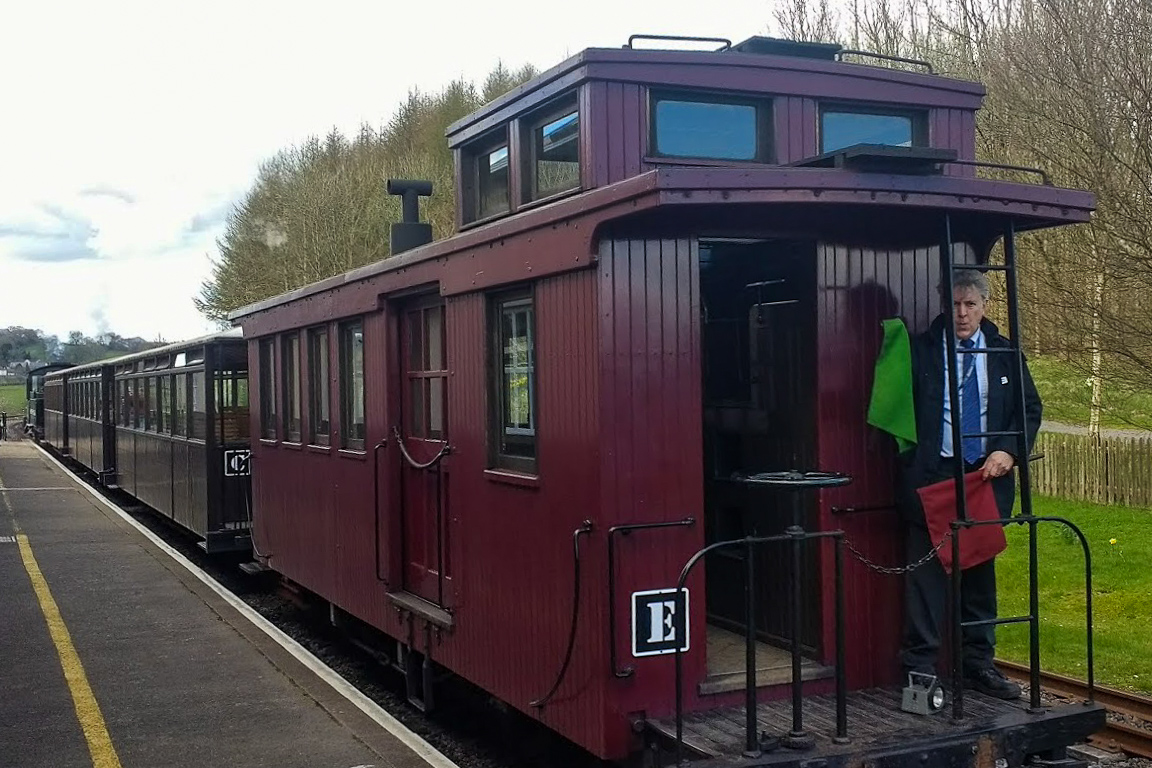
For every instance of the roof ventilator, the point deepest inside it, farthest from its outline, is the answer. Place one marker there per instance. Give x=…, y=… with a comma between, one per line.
x=410, y=232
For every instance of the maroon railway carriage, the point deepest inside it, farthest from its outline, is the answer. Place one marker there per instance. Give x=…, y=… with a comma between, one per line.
x=669, y=276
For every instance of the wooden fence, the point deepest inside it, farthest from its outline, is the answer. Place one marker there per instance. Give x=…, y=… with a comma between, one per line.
x=1112, y=470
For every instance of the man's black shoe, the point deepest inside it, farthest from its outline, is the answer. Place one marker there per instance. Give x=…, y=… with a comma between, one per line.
x=989, y=681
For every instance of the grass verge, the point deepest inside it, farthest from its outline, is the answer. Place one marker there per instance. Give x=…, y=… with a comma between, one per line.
x=1120, y=541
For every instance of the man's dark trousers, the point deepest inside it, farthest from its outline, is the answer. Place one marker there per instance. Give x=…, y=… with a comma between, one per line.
x=926, y=598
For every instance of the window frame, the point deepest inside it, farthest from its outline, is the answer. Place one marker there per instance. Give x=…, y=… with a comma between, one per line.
x=918, y=118
x=765, y=131
x=267, y=388
x=554, y=110
x=319, y=386
x=291, y=389
x=347, y=442
x=498, y=459
x=475, y=153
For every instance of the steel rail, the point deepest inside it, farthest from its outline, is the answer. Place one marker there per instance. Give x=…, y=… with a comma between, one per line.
x=1115, y=735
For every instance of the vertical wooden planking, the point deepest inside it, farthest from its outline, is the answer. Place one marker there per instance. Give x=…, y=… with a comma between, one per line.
x=615, y=135
x=635, y=142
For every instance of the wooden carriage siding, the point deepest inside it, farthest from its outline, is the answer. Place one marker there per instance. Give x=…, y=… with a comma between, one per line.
x=1111, y=470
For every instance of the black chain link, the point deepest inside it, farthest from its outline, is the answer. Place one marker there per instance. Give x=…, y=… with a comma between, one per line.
x=900, y=569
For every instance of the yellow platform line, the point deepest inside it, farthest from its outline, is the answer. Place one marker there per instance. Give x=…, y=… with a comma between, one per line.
x=87, y=709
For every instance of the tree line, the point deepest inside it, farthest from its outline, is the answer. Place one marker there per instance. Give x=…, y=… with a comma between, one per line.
x=1069, y=90
x=320, y=208
x=27, y=347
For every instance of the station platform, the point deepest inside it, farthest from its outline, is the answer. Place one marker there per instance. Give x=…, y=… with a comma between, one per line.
x=113, y=654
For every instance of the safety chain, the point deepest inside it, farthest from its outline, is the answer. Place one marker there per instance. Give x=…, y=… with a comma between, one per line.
x=895, y=571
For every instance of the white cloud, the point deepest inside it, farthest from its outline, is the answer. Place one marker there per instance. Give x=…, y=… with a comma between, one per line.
x=129, y=127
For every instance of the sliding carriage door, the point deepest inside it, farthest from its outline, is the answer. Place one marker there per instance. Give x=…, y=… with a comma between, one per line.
x=424, y=438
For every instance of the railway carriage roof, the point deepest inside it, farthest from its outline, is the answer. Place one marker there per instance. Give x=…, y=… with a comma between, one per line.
x=231, y=333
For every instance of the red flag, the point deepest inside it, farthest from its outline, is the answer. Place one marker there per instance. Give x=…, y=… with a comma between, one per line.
x=979, y=543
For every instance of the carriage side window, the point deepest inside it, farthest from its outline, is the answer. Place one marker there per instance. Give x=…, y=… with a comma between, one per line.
x=319, y=420
x=841, y=128
x=291, y=351
x=711, y=127
x=513, y=407
x=199, y=411
x=555, y=142
x=140, y=404
x=267, y=391
x=352, y=385
x=180, y=404
x=164, y=405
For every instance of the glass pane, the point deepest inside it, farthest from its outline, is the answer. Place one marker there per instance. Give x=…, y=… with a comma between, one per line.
x=843, y=129
x=415, y=341
x=517, y=428
x=199, y=407
x=267, y=392
x=180, y=401
x=493, y=183
x=150, y=387
x=436, y=408
x=701, y=129
x=163, y=403
x=352, y=385
x=558, y=155
x=434, y=318
x=416, y=411
x=318, y=380
x=292, y=388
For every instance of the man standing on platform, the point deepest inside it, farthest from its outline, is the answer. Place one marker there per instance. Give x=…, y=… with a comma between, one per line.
x=987, y=384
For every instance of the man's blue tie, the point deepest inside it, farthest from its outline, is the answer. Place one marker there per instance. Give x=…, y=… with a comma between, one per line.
x=970, y=405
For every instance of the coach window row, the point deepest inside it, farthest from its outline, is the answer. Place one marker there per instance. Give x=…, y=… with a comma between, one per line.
x=306, y=356
x=167, y=404
x=501, y=175
x=84, y=399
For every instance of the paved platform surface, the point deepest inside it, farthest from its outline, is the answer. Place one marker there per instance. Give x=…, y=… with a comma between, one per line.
x=112, y=654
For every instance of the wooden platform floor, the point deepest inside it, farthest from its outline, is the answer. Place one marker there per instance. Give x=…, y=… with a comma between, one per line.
x=875, y=724
x=726, y=672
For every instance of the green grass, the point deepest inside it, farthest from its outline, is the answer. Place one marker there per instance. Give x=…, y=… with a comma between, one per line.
x=1066, y=397
x=1121, y=592
x=12, y=400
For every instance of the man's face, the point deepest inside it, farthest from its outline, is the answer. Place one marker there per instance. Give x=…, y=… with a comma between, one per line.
x=968, y=311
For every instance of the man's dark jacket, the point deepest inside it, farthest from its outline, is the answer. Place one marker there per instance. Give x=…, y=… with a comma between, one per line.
x=920, y=465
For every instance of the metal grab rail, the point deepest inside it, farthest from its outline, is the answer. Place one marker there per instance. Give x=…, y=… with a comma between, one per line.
x=585, y=528
x=625, y=530
x=796, y=536
x=1032, y=618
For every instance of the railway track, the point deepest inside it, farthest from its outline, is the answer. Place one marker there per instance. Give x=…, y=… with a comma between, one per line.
x=1129, y=726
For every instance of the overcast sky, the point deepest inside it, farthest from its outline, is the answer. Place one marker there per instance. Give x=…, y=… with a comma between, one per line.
x=127, y=129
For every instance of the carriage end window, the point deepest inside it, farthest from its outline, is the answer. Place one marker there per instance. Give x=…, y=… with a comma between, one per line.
x=841, y=128
x=711, y=127
x=513, y=354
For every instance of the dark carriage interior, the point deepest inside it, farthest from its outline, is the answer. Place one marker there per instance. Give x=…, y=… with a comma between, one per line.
x=759, y=357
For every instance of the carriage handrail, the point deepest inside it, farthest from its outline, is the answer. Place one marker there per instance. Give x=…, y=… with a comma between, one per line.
x=795, y=535
x=1032, y=618
x=625, y=530
x=683, y=38
x=584, y=529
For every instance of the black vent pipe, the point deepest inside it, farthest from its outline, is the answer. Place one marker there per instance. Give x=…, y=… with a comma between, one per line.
x=409, y=232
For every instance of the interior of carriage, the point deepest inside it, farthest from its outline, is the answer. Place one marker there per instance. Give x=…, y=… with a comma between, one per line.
x=759, y=360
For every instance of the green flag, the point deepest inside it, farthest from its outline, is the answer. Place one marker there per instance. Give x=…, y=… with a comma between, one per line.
x=891, y=408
